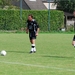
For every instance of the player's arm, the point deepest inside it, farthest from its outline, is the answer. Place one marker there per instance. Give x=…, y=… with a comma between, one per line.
x=27, y=30
x=37, y=31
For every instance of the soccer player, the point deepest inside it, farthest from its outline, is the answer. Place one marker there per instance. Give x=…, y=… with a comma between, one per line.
x=73, y=42
x=33, y=29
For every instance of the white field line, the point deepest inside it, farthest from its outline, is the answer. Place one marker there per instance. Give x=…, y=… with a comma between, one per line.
x=40, y=66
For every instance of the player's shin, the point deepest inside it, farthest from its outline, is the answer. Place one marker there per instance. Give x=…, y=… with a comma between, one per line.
x=32, y=47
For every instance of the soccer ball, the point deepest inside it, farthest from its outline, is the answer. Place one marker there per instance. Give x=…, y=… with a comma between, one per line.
x=3, y=53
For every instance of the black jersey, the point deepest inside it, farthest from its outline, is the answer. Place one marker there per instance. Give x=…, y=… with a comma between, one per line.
x=32, y=25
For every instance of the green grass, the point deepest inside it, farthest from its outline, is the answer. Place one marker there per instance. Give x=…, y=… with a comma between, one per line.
x=55, y=55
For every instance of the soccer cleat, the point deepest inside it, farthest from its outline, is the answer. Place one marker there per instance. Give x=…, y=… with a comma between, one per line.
x=34, y=51
x=31, y=51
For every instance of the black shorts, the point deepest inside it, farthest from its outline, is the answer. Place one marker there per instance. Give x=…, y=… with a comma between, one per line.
x=32, y=35
x=74, y=38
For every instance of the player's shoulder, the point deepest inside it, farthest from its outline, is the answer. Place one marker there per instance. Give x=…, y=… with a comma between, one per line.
x=34, y=21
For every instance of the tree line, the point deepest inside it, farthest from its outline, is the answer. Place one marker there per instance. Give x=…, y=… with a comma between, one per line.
x=66, y=5
x=4, y=3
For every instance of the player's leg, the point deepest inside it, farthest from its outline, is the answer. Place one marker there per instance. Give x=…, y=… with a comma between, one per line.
x=73, y=42
x=32, y=41
x=33, y=45
x=33, y=49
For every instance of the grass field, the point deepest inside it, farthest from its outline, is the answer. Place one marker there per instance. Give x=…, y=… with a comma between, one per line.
x=55, y=55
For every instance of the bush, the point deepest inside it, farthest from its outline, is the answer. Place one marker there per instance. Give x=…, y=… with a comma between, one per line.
x=57, y=20
x=10, y=19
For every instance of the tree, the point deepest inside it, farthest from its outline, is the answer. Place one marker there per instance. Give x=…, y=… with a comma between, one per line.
x=65, y=5
x=4, y=3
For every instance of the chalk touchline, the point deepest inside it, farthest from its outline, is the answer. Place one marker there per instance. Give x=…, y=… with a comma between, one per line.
x=40, y=66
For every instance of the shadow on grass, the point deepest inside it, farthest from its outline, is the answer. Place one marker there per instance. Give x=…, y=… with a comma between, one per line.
x=18, y=51
x=60, y=57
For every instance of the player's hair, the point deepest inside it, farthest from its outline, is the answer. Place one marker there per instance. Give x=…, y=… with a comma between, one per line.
x=30, y=15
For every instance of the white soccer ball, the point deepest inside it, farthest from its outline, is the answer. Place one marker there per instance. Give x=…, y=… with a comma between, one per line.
x=3, y=53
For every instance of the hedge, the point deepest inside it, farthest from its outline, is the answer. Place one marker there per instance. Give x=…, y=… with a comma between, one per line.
x=10, y=19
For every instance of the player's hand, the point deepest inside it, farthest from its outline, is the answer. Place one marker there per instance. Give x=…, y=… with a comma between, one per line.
x=27, y=32
x=36, y=34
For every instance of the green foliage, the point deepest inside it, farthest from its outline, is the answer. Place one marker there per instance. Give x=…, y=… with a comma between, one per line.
x=7, y=4
x=66, y=5
x=57, y=20
x=4, y=3
x=10, y=19
x=70, y=28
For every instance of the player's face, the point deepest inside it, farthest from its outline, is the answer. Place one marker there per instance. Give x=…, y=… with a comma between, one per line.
x=29, y=18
